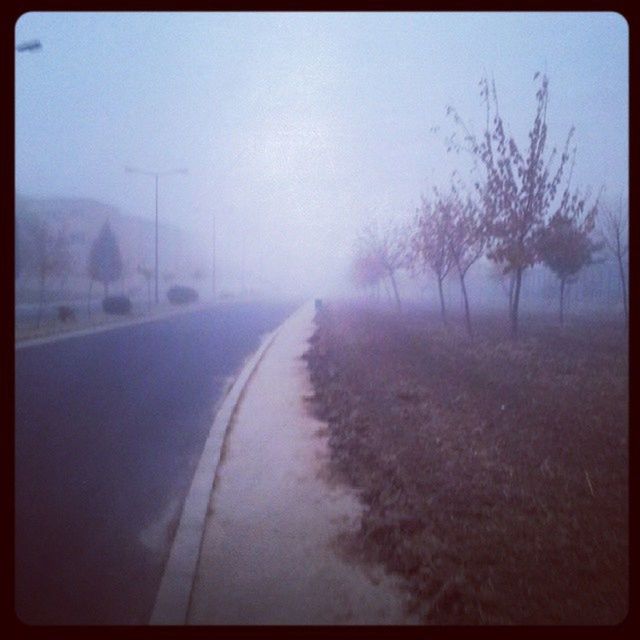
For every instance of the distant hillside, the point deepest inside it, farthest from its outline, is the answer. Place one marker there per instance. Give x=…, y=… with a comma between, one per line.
x=92, y=211
x=181, y=254
x=82, y=219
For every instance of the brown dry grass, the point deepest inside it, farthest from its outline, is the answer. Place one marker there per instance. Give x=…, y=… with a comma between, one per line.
x=494, y=473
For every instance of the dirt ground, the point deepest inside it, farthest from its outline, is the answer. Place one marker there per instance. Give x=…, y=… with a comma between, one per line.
x=494, y=473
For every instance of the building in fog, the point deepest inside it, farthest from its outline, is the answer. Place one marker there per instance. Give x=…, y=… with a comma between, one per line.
x=82, y=219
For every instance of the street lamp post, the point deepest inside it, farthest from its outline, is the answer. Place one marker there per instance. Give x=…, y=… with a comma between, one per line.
x=213, y=278
x=156, y=175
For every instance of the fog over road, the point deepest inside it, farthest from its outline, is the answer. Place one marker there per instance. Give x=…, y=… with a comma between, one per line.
x=109, y=429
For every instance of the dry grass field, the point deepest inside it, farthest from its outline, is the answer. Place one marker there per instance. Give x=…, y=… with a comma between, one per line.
x=494, y=472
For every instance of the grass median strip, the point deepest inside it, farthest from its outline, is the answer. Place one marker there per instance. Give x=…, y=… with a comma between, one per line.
x=494, y=473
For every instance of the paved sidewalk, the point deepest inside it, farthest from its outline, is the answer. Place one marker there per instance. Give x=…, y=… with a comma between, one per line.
x=268, y=553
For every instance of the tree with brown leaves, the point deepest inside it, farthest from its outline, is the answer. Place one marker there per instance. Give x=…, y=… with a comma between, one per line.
x=429, y=242
x=566, y=247
x=521, y=190
x=466, y=239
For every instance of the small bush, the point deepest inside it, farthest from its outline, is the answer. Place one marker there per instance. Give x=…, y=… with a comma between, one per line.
x=182, y=295
x=66, y=313
x=117, y=305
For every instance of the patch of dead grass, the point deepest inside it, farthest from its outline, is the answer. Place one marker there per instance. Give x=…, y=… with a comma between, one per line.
x=494, y=473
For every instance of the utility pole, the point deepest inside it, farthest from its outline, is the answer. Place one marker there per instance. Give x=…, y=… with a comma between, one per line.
x=156, y=243
x=244, y=264
x=213, y=273
x=156, y=174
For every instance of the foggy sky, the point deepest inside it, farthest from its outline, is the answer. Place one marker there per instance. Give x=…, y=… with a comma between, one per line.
x=295, y=128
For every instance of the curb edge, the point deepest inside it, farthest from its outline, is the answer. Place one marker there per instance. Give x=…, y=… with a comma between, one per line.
x=171, y=606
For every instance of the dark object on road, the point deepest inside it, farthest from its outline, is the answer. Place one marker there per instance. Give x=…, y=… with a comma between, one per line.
x=182, y=295
x=117, y=305
x=66, y=313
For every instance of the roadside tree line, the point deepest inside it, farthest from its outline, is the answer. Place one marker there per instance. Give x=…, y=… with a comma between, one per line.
x=46, y=253
x=517, y=208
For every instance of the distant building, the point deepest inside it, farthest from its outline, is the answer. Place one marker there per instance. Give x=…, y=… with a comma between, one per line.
x=82, y=220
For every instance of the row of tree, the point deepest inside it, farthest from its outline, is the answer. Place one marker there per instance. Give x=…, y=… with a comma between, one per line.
x=46, y=253
x=521, y=210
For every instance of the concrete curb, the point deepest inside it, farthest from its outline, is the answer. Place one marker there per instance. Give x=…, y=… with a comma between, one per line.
x=173, y=598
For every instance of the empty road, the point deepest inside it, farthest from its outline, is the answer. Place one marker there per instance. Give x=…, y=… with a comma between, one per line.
x=109, y=428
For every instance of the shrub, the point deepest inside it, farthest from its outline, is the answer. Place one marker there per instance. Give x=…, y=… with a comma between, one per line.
x=182, y=295
x=66, y=313
x=119, y=305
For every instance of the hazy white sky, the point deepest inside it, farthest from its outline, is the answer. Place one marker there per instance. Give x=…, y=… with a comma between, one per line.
x=297, y=127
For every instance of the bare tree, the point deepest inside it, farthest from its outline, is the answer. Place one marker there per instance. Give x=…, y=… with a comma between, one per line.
x=387, y=249
x=520, y=190
x=466, y=237
x=148, y=274
x=615, y=235
x=429, y=242
x=64, y=257
x=198, y=274
x=367, y=270
x=49, y=255
x=128, y=261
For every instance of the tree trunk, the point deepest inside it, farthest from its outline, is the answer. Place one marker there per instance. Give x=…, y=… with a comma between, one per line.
x=386, y=288
x=512, y=281
x=467, y=314
x=623, y=286
x=149, y=293
x=516, y=302
x=443, y=311
x=562, y=283
x=63, y=282
x=89, y=298
x=43, y=278
x=395, y=291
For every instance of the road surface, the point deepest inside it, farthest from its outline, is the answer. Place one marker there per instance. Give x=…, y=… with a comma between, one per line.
x=109, y=429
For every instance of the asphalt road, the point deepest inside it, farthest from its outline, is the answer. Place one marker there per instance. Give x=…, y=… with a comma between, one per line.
x=109, y=429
